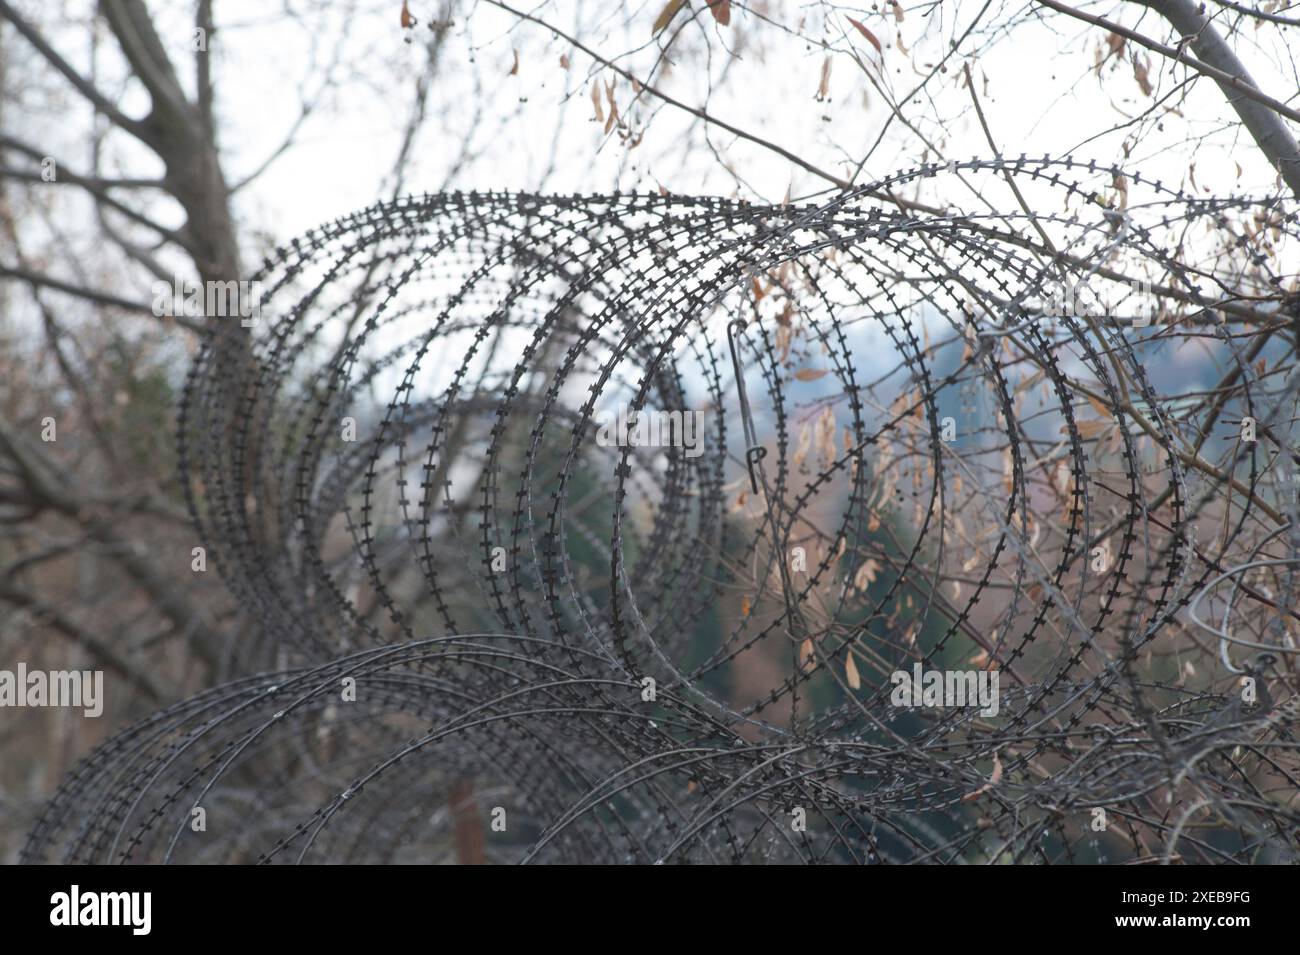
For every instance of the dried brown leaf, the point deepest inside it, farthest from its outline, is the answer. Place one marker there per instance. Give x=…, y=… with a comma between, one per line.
x=851, y=672
x=866, y=575
x=1088, y=430
x=666, y=15
x=826, y=436
x=994, y=778
x=871, y=37
x=805, y=442
x=1098, y=407
x=1140, y=74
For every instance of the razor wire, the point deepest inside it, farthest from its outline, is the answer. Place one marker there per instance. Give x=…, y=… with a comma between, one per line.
x=519, y=635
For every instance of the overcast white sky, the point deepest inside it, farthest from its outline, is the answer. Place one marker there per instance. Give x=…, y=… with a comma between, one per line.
x=1042, y=96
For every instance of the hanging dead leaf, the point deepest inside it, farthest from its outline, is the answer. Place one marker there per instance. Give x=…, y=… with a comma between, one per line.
x=666, y=15
x=784, y=338
x=871, y=37
x=898, y=10
x=807, y=655
x=995, y=777
x=1140, y=74
x=1113, y=439
x=1121, y=189
x=1088, y=430
x=744, y=605
x=613, y=108
x=1032, y=380
x=866, y=575
x=721, y=10
x=564, y=61
x=824, y=87
x=851, y=672
x=514, y=69
x=408, y=21
x=805, y=442
x=826, y=436
x=809, y=374
x=1063, y=478
x=595, y=101
x=1098, y=407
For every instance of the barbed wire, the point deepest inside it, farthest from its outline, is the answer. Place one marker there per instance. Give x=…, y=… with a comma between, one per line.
x=970, y=441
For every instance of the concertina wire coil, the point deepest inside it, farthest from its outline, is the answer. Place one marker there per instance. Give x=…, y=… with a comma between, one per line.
x=508, y=640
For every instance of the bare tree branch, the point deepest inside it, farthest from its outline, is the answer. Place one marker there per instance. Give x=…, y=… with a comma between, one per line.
x=83, y=86
x=1262, y=119
x=1222, y=66
x=92, y=295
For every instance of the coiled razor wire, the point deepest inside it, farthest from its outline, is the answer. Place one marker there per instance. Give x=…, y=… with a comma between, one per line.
x=524, y=640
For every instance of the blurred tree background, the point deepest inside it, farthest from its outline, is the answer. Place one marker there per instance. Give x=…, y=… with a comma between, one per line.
x=164, y=142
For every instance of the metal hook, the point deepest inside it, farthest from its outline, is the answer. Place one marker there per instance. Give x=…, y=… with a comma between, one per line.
x=754, y=452
x=752, y=457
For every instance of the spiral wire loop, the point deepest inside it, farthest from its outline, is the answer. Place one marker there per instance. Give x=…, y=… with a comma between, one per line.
x=519, y=635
